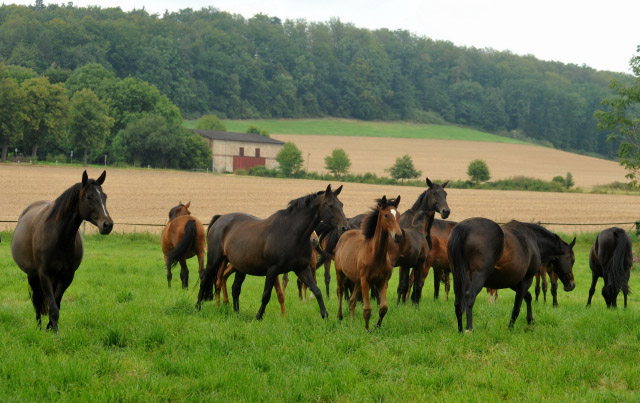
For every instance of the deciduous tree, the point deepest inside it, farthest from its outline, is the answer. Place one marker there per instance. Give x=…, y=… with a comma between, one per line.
x=337, y=163
x=90, y=123
x=403, y=169
x=290, y=159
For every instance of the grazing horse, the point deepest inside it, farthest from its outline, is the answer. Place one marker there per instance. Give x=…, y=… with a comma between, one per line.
x=47, y=244
x=269, y=247
x=414, y=249
x=483, y=253
x=611, y=258
x=182, y=238
x=366, y=257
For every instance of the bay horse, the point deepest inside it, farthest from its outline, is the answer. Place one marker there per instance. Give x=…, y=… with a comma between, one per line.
x=553, y=279
x=485, y=254
x=313, y=265
x=611, y=257
x=414, y=250
x=182, y=238
x=269, y=247
x=47, y=244
x=367, y=256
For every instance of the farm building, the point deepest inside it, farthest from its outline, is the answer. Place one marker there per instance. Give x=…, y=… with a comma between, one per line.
x=233, y=151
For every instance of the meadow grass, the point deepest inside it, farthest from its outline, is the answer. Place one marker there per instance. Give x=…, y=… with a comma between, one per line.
x=124, y=336
x=348, y=127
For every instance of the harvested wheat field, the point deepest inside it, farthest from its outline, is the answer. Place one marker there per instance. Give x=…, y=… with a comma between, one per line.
x=145, y=197
x=449, y=159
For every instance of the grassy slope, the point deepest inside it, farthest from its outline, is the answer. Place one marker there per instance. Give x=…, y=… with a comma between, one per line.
x=341, y=127
x=125, y=336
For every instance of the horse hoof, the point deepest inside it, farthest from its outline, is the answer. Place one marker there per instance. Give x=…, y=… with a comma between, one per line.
x=259, y=317
x=199, y=306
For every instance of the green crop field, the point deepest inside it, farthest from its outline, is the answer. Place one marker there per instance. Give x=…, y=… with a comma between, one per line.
x=342, y=127
x=124, y=336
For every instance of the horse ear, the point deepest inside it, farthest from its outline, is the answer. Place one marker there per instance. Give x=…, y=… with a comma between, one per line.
x=338, y=190
x=572, y=244
x=85, y=178
x=397, y=201
x=328, y=189
x=188, y=204
x=383, y=201
x=429, y=183
x=101, y=179
x=444, y=185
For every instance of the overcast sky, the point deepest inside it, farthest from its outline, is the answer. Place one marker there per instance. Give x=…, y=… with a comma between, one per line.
x=600, y=34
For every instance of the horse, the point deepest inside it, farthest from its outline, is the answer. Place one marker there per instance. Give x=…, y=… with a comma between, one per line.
x=313, y=265
x=367, y=256
x=542, y=275
x=414, y=249
x=47, y=244
x=484, y=254
x=182, y=238
x=269, y=247
x=611, y=257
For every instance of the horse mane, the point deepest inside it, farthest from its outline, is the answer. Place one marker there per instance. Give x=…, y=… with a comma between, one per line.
x=67, y=200
x=303, y=201
x=172, y=212
x=418, y=203
x=370, y=221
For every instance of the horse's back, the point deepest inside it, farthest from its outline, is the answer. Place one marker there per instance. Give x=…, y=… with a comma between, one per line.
x=608, y=242
x=174, y=231
x=22, y=242
x=347, y=252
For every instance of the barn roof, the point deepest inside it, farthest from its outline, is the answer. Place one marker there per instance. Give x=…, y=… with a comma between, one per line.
x=244, y=137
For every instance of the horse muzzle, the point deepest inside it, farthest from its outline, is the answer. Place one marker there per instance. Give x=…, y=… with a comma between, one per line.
x=444, y=213
x=105, y=226
x=397, y=238
x=570, y=286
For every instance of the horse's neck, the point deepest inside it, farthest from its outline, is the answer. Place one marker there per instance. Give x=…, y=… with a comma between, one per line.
x=424, y=202
x=380, y=243
x=66, y=228
x=303, y=221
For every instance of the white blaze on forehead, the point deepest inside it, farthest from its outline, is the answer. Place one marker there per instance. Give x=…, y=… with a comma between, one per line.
x=393, y=211
x=102, y=203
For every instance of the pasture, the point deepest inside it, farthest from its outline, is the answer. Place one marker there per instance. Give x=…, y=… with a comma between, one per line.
x=124, y=336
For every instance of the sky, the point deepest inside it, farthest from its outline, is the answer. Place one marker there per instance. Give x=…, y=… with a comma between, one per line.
x=602, y=35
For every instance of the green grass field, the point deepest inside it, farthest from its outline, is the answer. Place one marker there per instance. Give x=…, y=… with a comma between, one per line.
x=125, y=337
x=342, y=127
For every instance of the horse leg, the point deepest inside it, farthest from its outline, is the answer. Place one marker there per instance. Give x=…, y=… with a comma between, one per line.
x=307, y=278
x=418, y=281
x=280, y=294
x=37, y=297
x=382, y=309
x=269, y=281
x=594, y=280
x=538, y=286
x=235, y=290
x=366, y=313
x=340, y=290
x=54, y=311
x=353, y=300
x=403, y=283
x=521, y=291
x=477, y=283
x=327, y=275
x=544, y=289
x=184, y=274
x=169, y=275
x=624, y=293
x=554, y=290
x=527, y=299
x=285, y=281
x=61, y=287
x=299, y=283
x=437, y=277
x=447, y=285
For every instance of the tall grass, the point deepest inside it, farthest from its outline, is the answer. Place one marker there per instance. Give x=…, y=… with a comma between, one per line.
x=125, y=336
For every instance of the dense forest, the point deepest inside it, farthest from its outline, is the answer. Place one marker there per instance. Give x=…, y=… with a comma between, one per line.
x=210, y=61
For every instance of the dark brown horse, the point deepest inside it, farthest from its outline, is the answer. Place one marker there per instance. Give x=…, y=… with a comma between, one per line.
x=182, y=238
x=366, y=257
x=48, y=246
x=269, y=247
x=553, y=279
x=414, y=250
x=611, y=258
x=485, y=254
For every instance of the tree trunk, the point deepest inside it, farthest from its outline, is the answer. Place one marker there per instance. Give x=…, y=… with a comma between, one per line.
x=5, y=146
x=34, y=151
x=85, y=156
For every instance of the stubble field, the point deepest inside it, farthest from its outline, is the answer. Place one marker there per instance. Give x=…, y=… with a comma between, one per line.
x=145, y=197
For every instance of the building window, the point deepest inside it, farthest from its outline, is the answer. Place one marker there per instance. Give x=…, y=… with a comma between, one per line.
x=257, y=152
x=242, y=151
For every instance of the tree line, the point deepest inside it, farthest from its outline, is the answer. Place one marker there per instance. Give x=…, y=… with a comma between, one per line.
x=210, y=61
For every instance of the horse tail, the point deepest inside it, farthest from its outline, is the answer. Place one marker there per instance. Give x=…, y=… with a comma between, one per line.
x=187, y=243
x=37, y=296
x=458, y=263
x=615, y=267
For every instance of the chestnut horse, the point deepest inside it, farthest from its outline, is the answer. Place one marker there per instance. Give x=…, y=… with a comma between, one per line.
x=182, y=238
x=366, y=257
x=611, y=257
x=483, y=253
x=48, y=246
x=269, y=247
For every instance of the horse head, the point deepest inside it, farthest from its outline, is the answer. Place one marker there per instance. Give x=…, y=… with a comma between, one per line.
x=563, y=264
x=437, y=198
x=179, y=210
x=389, y=218
x=331, y=209
x=92, y=204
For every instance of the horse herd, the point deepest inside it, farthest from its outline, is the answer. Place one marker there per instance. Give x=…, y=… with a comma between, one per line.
x=478, y=252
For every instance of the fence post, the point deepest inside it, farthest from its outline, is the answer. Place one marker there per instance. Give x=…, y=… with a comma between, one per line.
x=638, y=229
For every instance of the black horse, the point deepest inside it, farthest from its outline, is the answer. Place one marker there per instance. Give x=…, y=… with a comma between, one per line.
x=48, y=246
x=269, y=247
x=482, y=253
x=611, y=258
